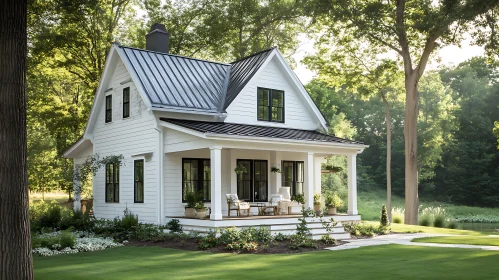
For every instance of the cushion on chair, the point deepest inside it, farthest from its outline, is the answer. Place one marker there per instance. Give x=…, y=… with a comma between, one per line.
x=232, y=197
x=284, y=191
x=274, y=199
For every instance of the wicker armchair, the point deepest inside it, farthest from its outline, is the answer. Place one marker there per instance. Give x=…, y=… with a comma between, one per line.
x=234, y=204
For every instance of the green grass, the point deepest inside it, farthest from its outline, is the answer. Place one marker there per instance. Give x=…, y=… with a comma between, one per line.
x=369, y=206
x=470, y=240
x=378, y=262
x=400, y=228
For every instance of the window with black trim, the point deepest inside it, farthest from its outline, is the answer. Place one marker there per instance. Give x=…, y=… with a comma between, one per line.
x=293, y=176
x=138, y=181
x=112, y=182
x=109, y=108
x=270, y=105
x=196, y=177
x=252, y=185
x=126, y=102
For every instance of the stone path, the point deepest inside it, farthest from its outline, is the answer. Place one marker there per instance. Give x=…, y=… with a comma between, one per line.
x=405, y=239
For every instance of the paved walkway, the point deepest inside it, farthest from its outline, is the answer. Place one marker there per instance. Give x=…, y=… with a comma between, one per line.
x=405, y=239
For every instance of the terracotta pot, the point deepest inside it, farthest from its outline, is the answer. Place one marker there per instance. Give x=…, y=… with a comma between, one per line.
x=201, y=213
x=331, y=211
x=190, y=212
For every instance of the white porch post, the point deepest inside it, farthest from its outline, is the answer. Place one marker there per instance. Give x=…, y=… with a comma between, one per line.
x=309, y=195
x=352, y=184
x=216, y=183
x=76, y=188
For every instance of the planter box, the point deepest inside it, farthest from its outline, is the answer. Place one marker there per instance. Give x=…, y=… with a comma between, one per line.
x=331, y=211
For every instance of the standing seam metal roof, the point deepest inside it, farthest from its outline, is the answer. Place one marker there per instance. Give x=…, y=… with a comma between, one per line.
x=258, y=131
x=183, y=82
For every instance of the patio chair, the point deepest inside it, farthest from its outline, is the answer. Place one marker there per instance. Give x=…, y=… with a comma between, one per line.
x=233, y=203
x=285, y=203
x=273, y=206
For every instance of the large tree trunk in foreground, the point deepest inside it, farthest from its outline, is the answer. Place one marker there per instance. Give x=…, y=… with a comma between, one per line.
x=411, y=150
x=388, y=121
x=15, y=247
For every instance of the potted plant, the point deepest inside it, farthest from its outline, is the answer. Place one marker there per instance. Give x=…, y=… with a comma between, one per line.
x=275, y=170
x=200, y=210
x=317, y=203
x=332, y=201
x=300, y=198
x=240, y=169
x=329, y=168
x=191, y=199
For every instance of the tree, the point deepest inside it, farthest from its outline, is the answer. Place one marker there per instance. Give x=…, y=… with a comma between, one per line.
x=412, y=30
x=222, y=30
x=15, y=248
x=348, y=64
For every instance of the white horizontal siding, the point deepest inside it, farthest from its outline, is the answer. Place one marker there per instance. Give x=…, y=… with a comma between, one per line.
x=298, y=113
x=131, y=136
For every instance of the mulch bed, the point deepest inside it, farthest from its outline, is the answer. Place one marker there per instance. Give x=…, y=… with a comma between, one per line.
x=282, y=247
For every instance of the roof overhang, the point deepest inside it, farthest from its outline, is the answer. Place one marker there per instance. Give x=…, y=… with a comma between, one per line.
x=77, y=148
x=359, y=148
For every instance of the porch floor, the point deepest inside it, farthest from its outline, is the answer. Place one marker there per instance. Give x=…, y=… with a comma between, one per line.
x=257, y=217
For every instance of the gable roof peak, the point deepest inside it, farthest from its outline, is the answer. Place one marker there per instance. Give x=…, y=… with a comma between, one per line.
x=254, y=54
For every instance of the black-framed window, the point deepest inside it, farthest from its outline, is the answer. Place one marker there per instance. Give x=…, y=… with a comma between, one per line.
x=252, y=185
x=293, y=176
x=270, y=105
x=109, y=108
x=196, y=177
x=126, y=102
x=112, y=182
x=138, y=181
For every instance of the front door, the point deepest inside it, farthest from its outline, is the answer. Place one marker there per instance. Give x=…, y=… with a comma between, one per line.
x=252, y=185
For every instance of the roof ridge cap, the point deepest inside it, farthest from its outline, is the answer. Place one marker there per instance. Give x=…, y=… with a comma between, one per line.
x=251, y=55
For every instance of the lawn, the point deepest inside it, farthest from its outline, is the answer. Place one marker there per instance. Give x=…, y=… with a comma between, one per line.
x=369, y=206
x=379, y=262
x=471, y=240
x=400, y=228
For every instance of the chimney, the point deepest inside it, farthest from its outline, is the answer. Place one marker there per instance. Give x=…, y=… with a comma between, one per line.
x=157, y=38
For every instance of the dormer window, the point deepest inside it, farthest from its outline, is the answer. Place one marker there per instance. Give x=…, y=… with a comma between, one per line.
x=270, y=103
x=109, y=108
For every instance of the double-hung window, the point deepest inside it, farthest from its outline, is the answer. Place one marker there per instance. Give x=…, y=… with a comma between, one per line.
x=126, y=102
x=293, y=176
x=112, y=182
x=196, y=177
x=109, y=108
x=270, y=105
x=138, y=181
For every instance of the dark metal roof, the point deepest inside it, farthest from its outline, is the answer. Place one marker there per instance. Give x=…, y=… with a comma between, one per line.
x=176, y=81
x=258, y=131
x=242, y=71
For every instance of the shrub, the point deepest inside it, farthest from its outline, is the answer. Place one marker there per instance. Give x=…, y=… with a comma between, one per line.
x=384, y=217
x=300, y=240
x=365, y=229
x=129, y=220
x=425, y=221
x=249, y=246
x=67, y=239
x=208, y=241
x=439, y=217
x=149, y=232
x=328, y=240
x=281, y=237
x=398, y=215
x=451, y=224
x=229, y=236
x=174, y=225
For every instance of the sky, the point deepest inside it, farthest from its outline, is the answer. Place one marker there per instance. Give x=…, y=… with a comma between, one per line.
x=449, y=55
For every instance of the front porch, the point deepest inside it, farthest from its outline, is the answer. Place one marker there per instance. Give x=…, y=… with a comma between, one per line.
x=284, y=224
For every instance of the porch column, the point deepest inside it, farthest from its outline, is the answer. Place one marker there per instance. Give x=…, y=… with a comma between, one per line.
x=309, y=194
x=216, y=183
x=352, y=184
x=76, y=187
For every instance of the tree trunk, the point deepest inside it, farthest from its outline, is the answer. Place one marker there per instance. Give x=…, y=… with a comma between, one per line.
x=15, y=247
x=411, y=149
x=388, y=121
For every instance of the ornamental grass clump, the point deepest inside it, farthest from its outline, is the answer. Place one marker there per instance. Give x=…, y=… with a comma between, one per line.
x=439, y=216
x=398, y=215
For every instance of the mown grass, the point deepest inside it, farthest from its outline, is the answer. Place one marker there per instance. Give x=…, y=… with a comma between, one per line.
x=369, y=206
x=470, y=240
x=400, y=228
x=405, y=262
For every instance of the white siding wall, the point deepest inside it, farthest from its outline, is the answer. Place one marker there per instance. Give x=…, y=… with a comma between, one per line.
x=297, y=114
x=131, y=136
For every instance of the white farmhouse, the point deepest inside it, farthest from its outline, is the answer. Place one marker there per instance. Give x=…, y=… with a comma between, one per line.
x=184, y=124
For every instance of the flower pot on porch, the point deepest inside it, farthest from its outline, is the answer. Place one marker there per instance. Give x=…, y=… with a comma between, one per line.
x=317, y=209
x=190, y=212
x=201, y=213
x=331, y=211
